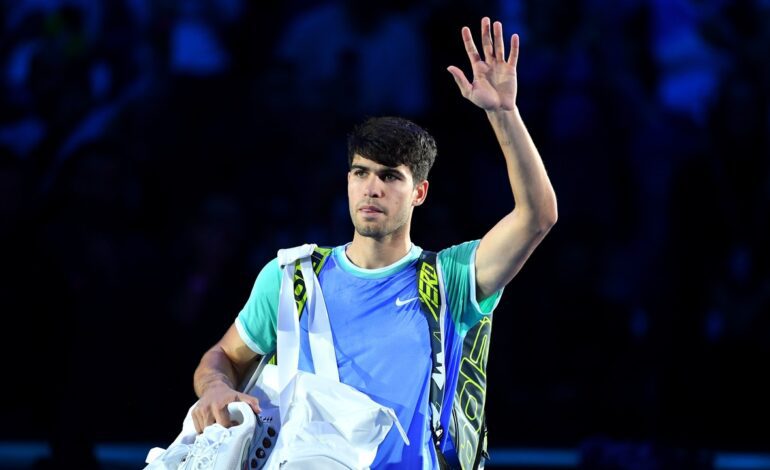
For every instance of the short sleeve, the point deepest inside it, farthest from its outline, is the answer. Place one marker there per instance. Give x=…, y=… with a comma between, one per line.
x=257, y=321
x=459, y=272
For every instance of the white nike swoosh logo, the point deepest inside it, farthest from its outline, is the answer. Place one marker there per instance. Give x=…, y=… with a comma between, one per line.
x=401, y=303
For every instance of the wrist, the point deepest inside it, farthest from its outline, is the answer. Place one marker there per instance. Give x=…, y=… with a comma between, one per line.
x=500, y=112
x=503, y=116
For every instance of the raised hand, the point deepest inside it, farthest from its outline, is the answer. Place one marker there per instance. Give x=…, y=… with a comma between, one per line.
x=494, y=78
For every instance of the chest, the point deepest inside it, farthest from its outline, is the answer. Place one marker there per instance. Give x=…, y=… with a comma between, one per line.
x=375, y=323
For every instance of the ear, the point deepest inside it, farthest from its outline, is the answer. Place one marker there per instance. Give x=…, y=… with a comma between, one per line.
x=420, y=193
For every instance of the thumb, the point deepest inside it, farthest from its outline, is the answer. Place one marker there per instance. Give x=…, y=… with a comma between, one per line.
x=462, y=82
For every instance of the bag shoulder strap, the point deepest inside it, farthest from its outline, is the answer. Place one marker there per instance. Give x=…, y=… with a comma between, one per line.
x=318, y=259
x=318, y=256
x=430, y=289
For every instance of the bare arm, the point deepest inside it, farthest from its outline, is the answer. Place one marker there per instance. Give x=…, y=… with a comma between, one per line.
x=504, y=249
x=220, y=371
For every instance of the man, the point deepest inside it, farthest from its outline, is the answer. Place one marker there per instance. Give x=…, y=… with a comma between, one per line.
x=370, y=286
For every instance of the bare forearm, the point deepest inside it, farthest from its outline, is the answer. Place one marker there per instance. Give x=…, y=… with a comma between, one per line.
x=532, y=191
x=506, y=247
x=214, y=368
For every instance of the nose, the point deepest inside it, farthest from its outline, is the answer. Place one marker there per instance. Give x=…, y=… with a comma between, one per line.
x=373, y=186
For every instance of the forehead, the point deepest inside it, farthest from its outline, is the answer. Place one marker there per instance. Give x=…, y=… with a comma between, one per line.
x=358, y=160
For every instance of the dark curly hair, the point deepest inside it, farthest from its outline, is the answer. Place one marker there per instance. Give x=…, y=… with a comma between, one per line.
x=392, y=141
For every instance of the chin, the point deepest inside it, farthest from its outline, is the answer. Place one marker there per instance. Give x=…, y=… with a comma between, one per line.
x=370, y=232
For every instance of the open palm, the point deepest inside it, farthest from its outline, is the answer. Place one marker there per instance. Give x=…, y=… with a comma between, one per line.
x=494, y=78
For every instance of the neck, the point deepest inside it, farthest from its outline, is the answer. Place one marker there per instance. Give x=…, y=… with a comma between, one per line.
x=371, y=253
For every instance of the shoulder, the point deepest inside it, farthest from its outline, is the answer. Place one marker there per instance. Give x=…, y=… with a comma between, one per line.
x=271, y=269
x=269, y=278
x=462, y=253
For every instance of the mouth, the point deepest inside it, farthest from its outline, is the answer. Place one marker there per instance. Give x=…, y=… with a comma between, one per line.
x=369, y=209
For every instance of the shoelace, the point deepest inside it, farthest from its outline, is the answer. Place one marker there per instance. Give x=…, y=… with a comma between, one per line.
x=175, y=454
x=205, y=447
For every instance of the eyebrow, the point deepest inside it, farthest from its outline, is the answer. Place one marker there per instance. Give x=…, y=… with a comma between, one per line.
x=383, y=171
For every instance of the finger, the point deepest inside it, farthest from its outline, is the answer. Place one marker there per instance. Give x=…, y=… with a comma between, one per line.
x=222, y=417
x=513, y=59
x=470, y=46
x=251, y=401
x=462, y=82
x=199, y=420
x=486, y=39
x=499, y=44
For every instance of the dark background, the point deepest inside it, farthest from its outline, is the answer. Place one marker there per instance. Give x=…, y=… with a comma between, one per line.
x=155, y=154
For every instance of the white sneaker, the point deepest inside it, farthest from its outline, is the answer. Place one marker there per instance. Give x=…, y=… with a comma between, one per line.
x=168, y=459
x=265, y=437
x=221, y=448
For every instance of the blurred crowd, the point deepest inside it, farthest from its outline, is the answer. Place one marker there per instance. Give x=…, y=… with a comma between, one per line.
x=154, y=154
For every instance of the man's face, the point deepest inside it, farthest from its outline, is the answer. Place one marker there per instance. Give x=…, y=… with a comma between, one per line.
x=381, y=198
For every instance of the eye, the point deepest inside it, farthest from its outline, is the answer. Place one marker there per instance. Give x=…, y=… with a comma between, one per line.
x=389, y=177
x=359, y=173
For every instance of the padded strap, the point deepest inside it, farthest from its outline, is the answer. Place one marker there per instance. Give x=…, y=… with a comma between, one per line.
x=319, y=328
x=430, y=286
x=287, y=336
x=319, y=334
